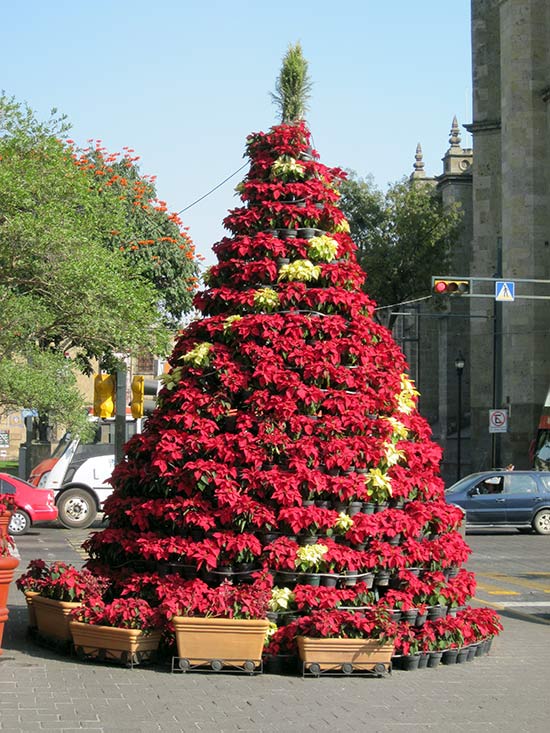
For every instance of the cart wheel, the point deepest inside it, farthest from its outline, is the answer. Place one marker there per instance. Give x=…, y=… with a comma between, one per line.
x=216, y=665
x=347, y=668
x=380, y=669
x=184, y=664
x=249, y=666
x=79, y=651
x=315, y=669
x=125, y=658
x=101, y=655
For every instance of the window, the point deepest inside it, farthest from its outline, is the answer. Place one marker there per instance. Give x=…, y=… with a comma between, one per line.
x=491, y=485
x=6, y=487
x=520, y=484
x=545, y=480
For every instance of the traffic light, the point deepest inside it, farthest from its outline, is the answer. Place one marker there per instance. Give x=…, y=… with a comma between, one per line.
x=450, y=286
x=104, y=395
x=144, y=396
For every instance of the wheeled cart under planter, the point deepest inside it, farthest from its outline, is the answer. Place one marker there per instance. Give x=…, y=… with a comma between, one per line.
x=345, y=656
x=250, y=666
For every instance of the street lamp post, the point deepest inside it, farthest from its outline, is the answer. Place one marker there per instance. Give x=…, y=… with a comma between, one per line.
x=459, y=366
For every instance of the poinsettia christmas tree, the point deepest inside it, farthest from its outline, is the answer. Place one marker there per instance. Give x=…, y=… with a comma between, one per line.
x=287, y=437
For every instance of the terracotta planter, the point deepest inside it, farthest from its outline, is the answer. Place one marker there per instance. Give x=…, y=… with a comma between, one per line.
x=319, y=655
x=53, y=617
x=220, y=642
x=29, y=596
x=129, y=646
x=5, y=520
x=7, y=569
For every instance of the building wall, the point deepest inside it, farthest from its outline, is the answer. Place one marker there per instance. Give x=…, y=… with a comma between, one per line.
x=511, y=71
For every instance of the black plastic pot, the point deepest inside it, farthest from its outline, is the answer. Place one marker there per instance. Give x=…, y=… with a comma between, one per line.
x=449, y=656
x=423, y=662
x=434, y=659
x=409, y=615
x=410, y=662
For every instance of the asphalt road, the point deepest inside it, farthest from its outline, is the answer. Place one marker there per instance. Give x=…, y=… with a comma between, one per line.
x=506, y=691
x=512, y=572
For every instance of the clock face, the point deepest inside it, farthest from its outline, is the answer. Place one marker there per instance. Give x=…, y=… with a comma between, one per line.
x=464, y=164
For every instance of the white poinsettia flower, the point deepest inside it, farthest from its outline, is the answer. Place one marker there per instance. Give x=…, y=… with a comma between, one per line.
x=322, y=249
x=342, y=227
x=229, y=321
x=300, y=270
x=392, y=455
x=266, y=299
x=281, y=599
x=287, y=167
x=407, y=398
x=376, y=478
x=198, y=356
x=344, y=522
x=310, y=556
x=399, y=431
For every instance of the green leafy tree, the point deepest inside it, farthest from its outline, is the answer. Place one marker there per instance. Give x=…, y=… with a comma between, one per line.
x=293, y=86
x=66, y=298
x=403, y=236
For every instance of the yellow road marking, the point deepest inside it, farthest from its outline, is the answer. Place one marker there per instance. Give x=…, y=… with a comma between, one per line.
x=496, y=591
x=538, y=572
x=513, y=580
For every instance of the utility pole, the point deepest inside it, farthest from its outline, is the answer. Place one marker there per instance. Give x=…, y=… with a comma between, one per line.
x=497, y=359
x=120, y=414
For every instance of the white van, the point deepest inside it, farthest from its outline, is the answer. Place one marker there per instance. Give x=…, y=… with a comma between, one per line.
x=80, y=472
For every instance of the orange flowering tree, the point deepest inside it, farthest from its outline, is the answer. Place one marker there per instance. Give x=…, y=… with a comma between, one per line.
x=153, y=240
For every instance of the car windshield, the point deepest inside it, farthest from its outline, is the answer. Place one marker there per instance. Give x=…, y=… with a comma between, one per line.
x=458, y=486
x=61, y=446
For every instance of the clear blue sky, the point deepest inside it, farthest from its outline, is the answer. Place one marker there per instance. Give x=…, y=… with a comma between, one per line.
x=183, y=82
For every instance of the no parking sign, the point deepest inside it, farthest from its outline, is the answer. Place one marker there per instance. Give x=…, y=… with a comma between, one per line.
x=498, y=421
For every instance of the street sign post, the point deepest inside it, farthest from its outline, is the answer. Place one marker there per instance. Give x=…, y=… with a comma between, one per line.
x=498, y=421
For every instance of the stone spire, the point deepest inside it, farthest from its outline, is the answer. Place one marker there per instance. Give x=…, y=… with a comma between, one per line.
x=455, y=138
x=419, y=171
x=457, y=160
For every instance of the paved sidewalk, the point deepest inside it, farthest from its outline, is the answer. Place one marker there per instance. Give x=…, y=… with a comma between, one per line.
x=41, y=690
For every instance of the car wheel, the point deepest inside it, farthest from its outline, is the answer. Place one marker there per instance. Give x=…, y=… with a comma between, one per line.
x=541, y=522
x=20, y=522
x=77, y=509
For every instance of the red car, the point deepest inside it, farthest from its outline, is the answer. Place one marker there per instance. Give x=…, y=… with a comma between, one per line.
x=31, y=504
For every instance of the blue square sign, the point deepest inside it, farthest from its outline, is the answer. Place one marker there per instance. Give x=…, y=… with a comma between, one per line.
x=505, y=291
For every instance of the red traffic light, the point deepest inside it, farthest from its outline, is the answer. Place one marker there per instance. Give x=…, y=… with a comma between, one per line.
x=444, y=286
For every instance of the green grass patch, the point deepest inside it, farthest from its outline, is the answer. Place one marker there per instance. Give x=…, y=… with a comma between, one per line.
x=11, y=467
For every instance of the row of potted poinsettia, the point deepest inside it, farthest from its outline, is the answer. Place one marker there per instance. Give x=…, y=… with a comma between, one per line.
x=69, y=605
x=450, y=640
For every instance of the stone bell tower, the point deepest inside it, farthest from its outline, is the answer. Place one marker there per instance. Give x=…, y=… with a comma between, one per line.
x=441, y=330
x=511, y=221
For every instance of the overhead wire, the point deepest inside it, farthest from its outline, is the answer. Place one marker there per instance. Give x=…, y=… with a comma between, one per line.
x=213, y=189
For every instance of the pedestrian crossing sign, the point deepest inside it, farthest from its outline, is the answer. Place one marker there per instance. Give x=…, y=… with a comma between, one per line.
x=505, y=291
